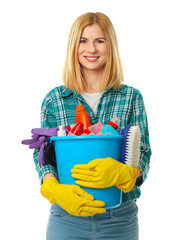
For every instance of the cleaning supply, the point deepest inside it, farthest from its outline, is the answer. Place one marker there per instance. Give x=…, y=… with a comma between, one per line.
x=104, y=173
x=77, y=130
x=38, y=140
x=131, y=145
x=83, y=117
x=96, y=128
x=82, y=150
x=69, y=127
x=111, y=126
x=71, y=198
x=61, y=131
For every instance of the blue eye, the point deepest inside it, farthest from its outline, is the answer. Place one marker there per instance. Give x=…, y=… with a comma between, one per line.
x=100, y=41
x=83, y=41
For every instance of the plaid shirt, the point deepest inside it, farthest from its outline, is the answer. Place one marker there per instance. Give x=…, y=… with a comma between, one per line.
x=59, y=108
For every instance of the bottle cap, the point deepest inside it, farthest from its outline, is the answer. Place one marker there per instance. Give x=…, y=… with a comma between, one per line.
x=114, y=122
x=112, y=125
x=80, y=108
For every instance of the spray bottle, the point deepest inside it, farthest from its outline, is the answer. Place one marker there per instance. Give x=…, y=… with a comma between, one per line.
x=111, y=126
x=77, y=130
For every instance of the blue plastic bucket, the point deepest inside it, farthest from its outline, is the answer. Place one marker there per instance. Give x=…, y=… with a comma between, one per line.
x=74, y=150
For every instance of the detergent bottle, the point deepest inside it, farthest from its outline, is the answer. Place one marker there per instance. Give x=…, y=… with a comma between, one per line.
x=83, y=117
x=111, y=126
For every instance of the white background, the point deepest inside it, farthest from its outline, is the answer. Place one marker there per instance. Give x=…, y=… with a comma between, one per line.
x=33, y=42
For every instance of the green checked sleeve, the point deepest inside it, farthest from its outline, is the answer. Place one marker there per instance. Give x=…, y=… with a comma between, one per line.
x=139, y=118
x=48, y=120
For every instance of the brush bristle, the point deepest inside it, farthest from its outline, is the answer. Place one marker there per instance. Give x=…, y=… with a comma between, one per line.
x=133, y=146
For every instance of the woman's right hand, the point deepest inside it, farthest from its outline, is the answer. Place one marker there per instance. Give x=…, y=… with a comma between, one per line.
x=72, y=198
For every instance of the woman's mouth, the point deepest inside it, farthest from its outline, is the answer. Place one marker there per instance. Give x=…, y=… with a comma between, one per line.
x=91, y=59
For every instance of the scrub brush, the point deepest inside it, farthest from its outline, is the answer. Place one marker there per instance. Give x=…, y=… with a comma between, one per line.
x=131, y=145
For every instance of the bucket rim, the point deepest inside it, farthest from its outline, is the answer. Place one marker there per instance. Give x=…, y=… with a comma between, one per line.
x=86, y=137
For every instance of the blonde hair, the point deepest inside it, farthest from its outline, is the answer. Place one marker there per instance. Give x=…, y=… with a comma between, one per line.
x=113, y=73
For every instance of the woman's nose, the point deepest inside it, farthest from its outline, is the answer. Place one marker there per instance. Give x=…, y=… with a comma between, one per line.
x=91, y=47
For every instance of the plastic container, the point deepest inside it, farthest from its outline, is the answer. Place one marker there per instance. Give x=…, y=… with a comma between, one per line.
x=77, y=130
x=111, y=126
x=83, y=117
x=74, y=150
x=61, y=131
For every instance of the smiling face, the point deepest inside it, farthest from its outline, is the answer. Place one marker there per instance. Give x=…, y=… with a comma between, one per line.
x=92, y=49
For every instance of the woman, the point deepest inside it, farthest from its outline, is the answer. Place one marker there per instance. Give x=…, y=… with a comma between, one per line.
x=93, y=77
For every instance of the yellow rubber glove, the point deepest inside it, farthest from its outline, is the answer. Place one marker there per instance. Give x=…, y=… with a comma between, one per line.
x=71, y=198
x=105, y=172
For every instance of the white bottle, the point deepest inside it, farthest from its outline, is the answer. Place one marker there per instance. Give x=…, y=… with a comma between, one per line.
x=61, y=131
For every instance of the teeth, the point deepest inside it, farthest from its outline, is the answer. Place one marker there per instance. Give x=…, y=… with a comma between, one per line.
x=91, y=58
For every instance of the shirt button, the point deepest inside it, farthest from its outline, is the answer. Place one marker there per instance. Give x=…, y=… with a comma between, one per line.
x=99, y=106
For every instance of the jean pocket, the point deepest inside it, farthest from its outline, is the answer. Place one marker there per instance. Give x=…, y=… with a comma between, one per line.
x=56, y=210
x=127, y=212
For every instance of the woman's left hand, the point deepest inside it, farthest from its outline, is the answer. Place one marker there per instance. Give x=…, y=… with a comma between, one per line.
x=105, y=172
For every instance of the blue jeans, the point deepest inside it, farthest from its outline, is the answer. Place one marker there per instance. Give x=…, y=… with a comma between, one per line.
x=117, y=224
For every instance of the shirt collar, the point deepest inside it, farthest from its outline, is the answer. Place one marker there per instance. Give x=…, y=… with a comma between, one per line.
x=120, y=90
x=66, y=91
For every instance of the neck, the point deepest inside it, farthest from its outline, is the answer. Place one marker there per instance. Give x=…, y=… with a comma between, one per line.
x=92, y=81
